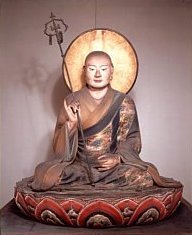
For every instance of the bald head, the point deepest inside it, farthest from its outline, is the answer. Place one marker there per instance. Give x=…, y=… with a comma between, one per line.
x=98, y=54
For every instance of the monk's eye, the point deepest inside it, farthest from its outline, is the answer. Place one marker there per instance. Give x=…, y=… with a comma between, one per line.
x=104, y=68
x=91, y=69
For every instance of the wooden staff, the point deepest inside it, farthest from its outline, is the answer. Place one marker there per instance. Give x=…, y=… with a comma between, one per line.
x=56, y=31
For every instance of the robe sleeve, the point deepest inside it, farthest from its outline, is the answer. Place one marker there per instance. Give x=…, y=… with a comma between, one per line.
x=59, y=135
x=59, y=139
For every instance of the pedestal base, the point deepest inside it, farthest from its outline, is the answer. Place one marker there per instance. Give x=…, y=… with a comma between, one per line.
x=98, y=208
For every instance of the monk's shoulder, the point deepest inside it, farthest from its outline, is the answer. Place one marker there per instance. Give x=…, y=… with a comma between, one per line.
x=73, y=96
x=128, y=103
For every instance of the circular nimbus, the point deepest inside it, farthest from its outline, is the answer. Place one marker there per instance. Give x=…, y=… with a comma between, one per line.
x=121, y=51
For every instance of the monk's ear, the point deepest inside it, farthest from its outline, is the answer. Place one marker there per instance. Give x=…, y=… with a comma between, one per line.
x=111, y=73
x=112, y=69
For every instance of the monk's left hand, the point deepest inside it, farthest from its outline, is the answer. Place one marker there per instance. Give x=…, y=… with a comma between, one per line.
x=108, y=161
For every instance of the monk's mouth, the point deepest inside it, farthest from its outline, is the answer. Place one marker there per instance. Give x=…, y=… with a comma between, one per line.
x=97, y=81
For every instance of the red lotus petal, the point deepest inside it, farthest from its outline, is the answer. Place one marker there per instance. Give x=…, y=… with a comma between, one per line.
x=31, y=204
x=54, y=207
x=72, y=204
x=100, y=207
x=30, y=201
x=147, y=204
x=20, y=201
x=126, y=203
x=176, y=200
x=168, y=200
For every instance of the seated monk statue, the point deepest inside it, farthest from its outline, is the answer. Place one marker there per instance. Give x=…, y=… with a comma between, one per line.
x=97, y=139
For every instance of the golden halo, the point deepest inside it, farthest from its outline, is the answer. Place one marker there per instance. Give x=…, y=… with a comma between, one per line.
x=121, y=51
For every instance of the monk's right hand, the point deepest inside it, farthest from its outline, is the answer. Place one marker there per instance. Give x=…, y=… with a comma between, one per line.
x=71, y=111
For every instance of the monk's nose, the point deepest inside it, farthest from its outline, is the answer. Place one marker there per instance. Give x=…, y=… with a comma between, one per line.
x=97, y=73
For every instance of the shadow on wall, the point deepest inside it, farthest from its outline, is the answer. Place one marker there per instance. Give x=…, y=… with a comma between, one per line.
x=59, y=92
x=44, y=93
x=51, y=88
x=52, y=103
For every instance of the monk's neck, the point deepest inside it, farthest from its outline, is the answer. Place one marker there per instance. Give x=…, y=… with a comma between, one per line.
x=98, y=94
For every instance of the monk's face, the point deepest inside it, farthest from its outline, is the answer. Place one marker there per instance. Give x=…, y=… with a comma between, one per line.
x=98, y=71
